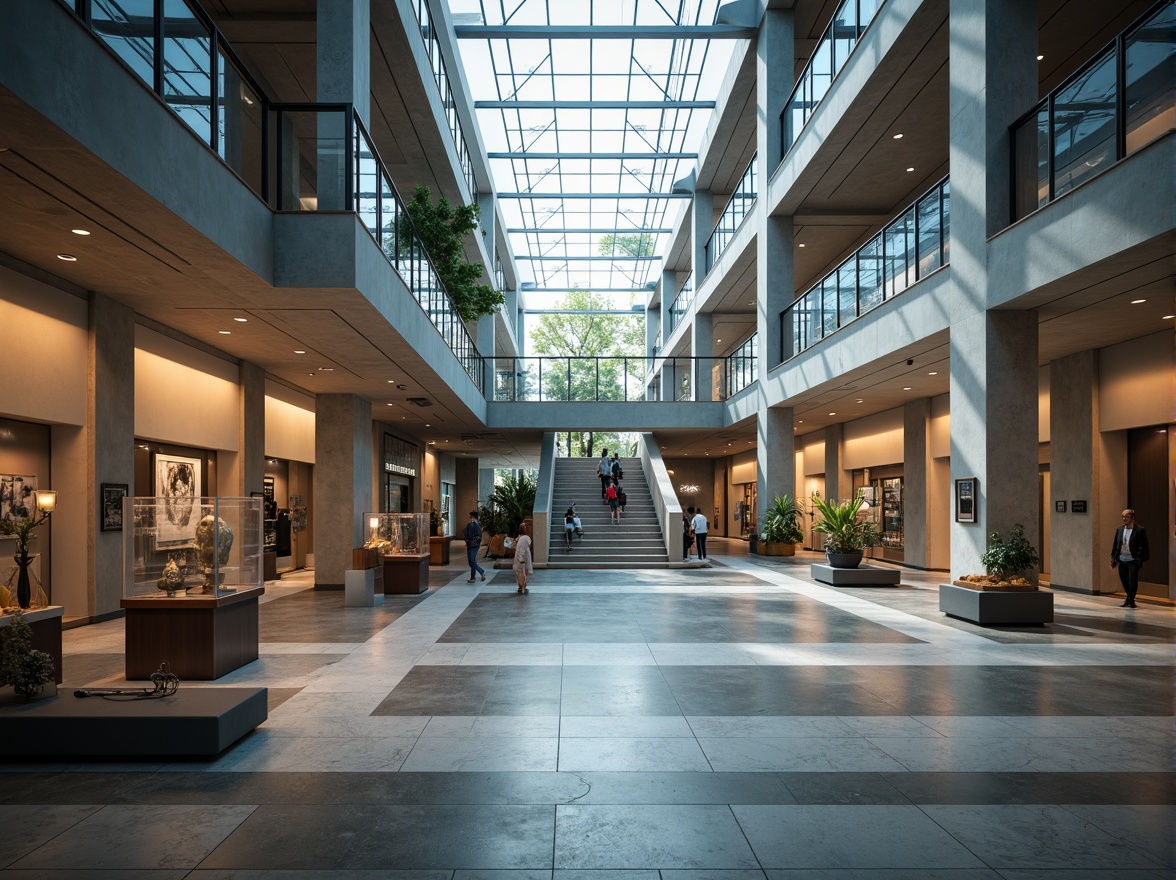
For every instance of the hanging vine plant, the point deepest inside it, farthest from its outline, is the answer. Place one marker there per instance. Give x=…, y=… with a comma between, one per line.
x=443, y=228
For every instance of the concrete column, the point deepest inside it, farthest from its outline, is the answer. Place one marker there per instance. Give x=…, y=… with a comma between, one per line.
x=703, y=223
x=342, y=483
x=651, y=325
x=994, y=428
x=774, y=77
x=485, y=483
x=703, y=341
x=1079, y=542
x=343, y=71
x=916, y=456
x=775, y=455
x=838, y=482
x=466, y=492
x=484, y=339
x=993, y=80
x=240, y=473
x=111, y=442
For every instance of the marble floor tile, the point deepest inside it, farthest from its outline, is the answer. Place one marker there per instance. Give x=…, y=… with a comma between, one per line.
x=1093, y=725
x=332, y=703
x=498, y=654
x=632, y=754
x=850, y=837
x=27, y=827
x=264, y=752
x=1038, y=837
x=622, y=725
x=449, y=654
x=903, y=874
x=720, y=726
x=138, y=837
x=1146, y=827
x=482, y=754
x=492, y=725
x=847, y=754
x=607, y=653
x=1000, y=754
x=588, y=874
x=969, y=726
x=888, y=725
x=357, y=726
x=646, y=836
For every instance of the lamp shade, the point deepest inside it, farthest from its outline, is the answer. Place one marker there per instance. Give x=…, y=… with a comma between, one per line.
x=46, y=500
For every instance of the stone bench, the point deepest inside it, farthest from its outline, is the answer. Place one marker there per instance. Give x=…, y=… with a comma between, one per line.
x=193, y=721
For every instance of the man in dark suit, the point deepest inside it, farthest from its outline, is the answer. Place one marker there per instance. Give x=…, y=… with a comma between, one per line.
x=1128, y=554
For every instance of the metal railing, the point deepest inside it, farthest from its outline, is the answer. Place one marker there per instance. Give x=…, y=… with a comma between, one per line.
x=1116, y=103
x=737, y=208
x=742, y=366
x=909, y=248
x=681, y=304
x=834, y=47
x=441, y=77
x=296, y=157
x=605, y=379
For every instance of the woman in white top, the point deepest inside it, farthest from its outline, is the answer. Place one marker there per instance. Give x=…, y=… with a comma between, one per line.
x=523, y=567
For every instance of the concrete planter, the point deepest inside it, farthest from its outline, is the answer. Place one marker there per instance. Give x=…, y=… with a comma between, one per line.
x=851, y=559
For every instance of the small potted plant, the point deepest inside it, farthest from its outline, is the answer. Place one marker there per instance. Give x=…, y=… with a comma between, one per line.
x=26, y=669
x=780, y=530
x=1005, y=562
x=846, y=533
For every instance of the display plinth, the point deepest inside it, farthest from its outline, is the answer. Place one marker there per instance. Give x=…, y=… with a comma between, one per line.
x=990, y=607
x=46, y=626
x=202, y=637
x=439, y=549
x=359, y=588
x=194, y=721
x=406, y=573
x=862, y=576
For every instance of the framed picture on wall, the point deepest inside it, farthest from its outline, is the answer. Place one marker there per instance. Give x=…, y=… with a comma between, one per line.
x=110, y=516
x=18, y=496
x=965, y=499
x=177, y=486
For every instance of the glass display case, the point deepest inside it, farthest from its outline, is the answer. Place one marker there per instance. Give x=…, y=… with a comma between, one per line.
x=398, y=534
x=191, y=546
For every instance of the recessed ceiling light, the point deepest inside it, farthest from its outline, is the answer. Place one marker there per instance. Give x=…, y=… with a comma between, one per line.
x=241, y=320
x=800, y=421
x=906, y=387
x=832, y=414
x=1136, y=302
x=80, y=231
x=1168, y=317
x=801, y=244
x=300, y=351
x=69, y=258
x=860, y=400
x=224, y=332
x=1039, y=57
x=390, y=404
x=391, y=381
x=910, y=169
x=933, y=373
x=427, y=425
x=311, y=375
x=718, y=340
x=326, y=369
x=898, y=137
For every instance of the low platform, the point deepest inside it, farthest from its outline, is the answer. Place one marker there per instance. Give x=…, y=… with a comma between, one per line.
x=193, y=721
x=862, y=576
x=991, y=608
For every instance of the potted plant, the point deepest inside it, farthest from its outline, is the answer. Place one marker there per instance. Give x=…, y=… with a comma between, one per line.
x=24, y=529
x=515, y=499
x=846, y=534
x=21, y=666
x=780, y=529
x=1005, y=561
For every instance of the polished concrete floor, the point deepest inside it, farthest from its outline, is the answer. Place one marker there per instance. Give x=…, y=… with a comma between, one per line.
x=734, y=723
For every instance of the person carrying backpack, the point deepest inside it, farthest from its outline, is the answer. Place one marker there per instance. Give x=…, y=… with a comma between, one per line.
x=473, y=540
x=616, y=471
x=621, y=499
x=569, y=527
x=604, y=471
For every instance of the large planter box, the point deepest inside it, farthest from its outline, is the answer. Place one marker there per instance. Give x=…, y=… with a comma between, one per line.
x=992, y=607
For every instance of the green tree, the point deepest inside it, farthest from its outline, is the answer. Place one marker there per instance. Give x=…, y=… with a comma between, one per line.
x=442, y=229
x=636, y=245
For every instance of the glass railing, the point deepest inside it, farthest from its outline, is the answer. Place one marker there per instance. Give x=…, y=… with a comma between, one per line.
x=681, y=304
x=441, y=77
x=731, y=219
x=570, y=378
x=1119, y=101
x=742, y=366
x=833, y=49
x=912, y=246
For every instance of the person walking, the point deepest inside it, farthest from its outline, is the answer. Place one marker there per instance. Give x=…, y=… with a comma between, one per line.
x=617, y=472
x=473, y=540
x=687, y=538
x=621, y=499
x=614, y=505
x=604, y=471
x=698, y=526
x=569, y=528
x=523, y=566
x=1128, y=554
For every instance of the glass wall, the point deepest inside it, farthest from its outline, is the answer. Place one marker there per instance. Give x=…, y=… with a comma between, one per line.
x=731, y=219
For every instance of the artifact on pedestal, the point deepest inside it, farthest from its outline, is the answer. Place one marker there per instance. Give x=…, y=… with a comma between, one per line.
x=172, y=578
x=214, y=541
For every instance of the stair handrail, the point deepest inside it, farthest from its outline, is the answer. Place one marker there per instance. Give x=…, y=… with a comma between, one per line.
x=544, y=491
x=661, y=490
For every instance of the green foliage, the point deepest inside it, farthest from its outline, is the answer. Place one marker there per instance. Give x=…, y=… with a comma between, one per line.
x=22, y=667
x=590, y=444
x=1005, y=559
x=636, y=245
x=780, y=523
x=493, y=520
x=515, y=499
x=443, y=229
x=24, y=529
x=839, y=523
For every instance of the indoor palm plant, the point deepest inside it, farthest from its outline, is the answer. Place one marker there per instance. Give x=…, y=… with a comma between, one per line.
x=780, y=527
x=515, y=499
x=846, y=534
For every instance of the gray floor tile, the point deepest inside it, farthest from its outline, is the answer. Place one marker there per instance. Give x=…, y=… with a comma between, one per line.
x=874, y=874
x=27, y=827
x=632, y=753
x=232, y=874
x=845, y=837
x=1150, y=828
x=649, y=837
x=95, y=874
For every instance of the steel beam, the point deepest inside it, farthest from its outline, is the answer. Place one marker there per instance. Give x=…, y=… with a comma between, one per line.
x=594, y=105
x=526, y=230
x=591, y=155
x=559, y=196
x=603, y=32
x=620, y=258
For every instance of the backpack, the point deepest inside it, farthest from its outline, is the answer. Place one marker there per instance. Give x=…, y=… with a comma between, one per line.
x=616, y=469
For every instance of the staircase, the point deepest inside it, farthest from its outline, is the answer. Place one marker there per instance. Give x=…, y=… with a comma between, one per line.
x=636, y=543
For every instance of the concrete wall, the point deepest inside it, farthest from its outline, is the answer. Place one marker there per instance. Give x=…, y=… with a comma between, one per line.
x=872, y=441
x=289, y=424
x=1137, y=383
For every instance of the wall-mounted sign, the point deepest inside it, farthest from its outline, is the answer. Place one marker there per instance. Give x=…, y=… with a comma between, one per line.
x=1078, y=506
x=965, y=500
x=392, y=468
x=1059, y=507
x=688, y=489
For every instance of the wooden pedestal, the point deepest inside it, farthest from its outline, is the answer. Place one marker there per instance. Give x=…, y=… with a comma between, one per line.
x=439, y=549
x=406, y=573
x=46, y=626
x=201, y=637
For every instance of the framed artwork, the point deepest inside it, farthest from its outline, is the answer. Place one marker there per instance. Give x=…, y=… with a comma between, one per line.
x=18, y=496
x=965, y=499
x=177, y=486
x=110, y=516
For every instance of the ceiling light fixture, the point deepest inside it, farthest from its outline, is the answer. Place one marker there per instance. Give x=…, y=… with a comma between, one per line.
x=326, y=369
x=224, y=332
x=1168, y=317
x=832, y=414
x=933, y=373
x=390, y=404
x=1136, y=302
x=241, y=320
x=897, y=137
x=69, y=258
x=1039, y=57
x=801, y=244
x=80, y=231
x=860, y=400
x=910, y=169
x=300, y=351
x=906, y=387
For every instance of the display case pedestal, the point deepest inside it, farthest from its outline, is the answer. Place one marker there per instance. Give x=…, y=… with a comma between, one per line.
x=439, y=549
x=46, y=626
x=201, y=637
x=406, y=573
